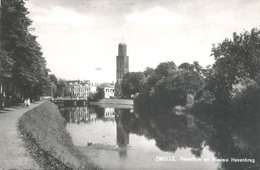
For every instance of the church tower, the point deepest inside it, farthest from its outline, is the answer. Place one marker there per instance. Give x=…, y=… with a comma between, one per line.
x=122, y=62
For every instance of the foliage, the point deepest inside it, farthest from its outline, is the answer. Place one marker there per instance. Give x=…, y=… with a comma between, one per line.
x=166, y=69
x=118, y=90
x=169, y=85
x=58, y=87
x=232, y=83
x=235, y=59
x=132, y=83
x=6, y=63
x=61, y=88
x=148, y=71
x=99, y=95
x=169, y=92
x=163, y=70
x=21, y=54
x=53, y=79
x=246, y=102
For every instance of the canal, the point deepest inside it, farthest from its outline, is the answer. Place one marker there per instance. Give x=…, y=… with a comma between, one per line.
x=121, y=138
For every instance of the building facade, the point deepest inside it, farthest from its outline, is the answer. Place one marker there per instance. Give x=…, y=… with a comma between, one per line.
x=81, y=89
x=108, y=89
x=109, y=92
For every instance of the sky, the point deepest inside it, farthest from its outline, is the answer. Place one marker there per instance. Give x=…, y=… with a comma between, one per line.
x=79, y=38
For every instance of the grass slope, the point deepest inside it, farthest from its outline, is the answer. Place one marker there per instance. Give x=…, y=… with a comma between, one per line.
x=46, y=138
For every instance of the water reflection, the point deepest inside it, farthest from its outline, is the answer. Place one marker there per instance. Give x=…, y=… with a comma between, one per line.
x=178, y=134
x=235, y=139
x=122, y=136
x=79, y=114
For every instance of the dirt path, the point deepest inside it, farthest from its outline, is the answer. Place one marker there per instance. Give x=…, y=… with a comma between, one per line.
x=13, y=154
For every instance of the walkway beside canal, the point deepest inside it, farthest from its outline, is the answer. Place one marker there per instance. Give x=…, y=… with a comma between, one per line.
x=13, y=154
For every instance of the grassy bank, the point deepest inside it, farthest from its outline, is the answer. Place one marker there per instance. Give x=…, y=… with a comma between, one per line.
x=44, y=132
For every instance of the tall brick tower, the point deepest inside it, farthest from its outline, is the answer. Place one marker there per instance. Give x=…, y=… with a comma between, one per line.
x=122, y=67
x=122, y=62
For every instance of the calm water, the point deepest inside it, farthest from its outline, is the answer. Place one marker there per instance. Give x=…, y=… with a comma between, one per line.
x=118, y=138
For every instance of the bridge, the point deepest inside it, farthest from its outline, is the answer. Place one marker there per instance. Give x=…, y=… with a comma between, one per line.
x=70, y=102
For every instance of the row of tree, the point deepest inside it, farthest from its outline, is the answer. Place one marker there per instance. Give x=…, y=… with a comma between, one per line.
x=233, y=81
x=59, y=87
x=168, y=85
x=23, y=71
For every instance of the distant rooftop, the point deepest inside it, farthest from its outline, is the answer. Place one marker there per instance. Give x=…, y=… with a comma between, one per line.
x=109, y=85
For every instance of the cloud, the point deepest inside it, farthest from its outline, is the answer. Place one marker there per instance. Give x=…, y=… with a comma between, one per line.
x=80, y=36
x=63, y=16
x=155, y=16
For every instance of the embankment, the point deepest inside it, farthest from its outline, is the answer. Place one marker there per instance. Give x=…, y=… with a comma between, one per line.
x=44, y=131
x=115, y=103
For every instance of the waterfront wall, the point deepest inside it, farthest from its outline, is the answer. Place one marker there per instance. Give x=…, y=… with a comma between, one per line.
x=115, y=101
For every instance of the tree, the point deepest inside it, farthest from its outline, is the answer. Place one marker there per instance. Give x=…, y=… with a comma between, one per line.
x=169, y=92
x=239, y=56
x=53, y=79
x=148, y=71
x=132, y=83
x=22, y=53
x=232, y=83
x=165, y=69
x=61, y=88
x=192, y=76
x=99, y=95
x=6, y=63
x=236, y=59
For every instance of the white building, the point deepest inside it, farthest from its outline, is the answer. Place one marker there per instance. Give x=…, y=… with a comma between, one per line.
x=81, y=89
x=108, y=89
x=109, y=113
x=109, y=92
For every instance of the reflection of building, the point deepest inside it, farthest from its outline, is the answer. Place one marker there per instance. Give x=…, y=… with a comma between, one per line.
x=109, y=113
x=81, y=89
x=122, y=136
x=79, y=114
x=92, y=117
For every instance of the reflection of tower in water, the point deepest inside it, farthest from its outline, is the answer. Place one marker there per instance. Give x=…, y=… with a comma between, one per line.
x=122, y=136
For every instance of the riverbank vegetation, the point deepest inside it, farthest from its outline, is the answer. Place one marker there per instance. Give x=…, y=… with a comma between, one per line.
x=222, y=99
x=231, y=84
x=43, y=129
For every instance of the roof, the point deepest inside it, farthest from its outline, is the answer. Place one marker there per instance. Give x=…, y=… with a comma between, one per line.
x=108, y=85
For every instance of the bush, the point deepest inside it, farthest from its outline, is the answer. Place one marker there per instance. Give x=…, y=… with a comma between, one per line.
x=246, y=102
